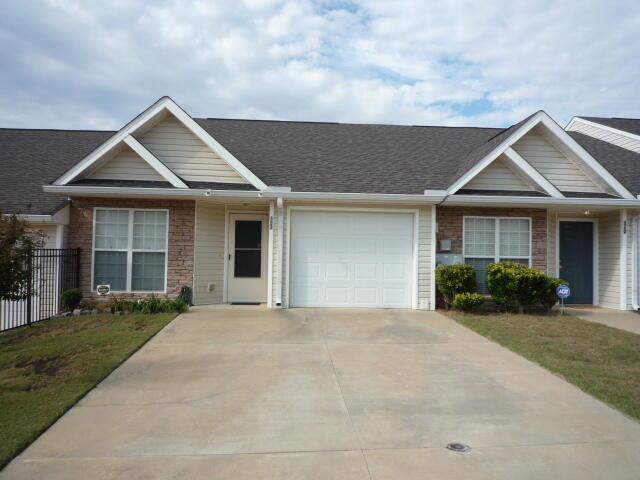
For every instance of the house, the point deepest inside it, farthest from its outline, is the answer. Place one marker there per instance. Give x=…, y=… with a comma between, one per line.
x=296, y=214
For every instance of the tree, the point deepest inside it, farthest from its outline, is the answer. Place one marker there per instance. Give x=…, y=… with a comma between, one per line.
x=17, y=242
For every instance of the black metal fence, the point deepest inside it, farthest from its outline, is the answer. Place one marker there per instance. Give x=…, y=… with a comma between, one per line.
x=52, y=271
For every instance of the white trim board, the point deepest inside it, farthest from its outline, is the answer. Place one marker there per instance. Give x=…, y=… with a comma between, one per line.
x=542, y=118
x=602, y=126
x=149, y=116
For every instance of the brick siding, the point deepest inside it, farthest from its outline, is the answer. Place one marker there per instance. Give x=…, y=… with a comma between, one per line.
x=181, y=237
x=450, y=221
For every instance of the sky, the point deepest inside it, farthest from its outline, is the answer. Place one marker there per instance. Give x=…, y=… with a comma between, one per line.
x=97, y=64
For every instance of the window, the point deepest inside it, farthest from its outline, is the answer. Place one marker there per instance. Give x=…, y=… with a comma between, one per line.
x=248, y=249
x=130, y=249
x=490, y=240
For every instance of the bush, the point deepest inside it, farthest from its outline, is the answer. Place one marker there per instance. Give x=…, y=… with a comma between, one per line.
x=180, y=306
x=515, y=286
x=149, y=305
x=71, y=298
x=549, y=297
x=454, y=279
x=468, y=302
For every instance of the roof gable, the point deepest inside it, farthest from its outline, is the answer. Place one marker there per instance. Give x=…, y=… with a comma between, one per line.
x=175, y=146
x=589, y=175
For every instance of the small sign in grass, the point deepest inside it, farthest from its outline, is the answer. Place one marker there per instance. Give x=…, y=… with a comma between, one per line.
x=600, y=360
x=47, y=368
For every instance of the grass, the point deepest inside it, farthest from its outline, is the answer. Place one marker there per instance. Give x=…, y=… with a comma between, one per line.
x=47, y=368
x=600, y=360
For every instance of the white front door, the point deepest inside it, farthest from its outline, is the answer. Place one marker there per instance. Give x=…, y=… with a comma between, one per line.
x=247, y=259
x=351, y=259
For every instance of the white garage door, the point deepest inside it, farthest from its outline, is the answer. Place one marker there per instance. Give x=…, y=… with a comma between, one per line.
x=351, y=259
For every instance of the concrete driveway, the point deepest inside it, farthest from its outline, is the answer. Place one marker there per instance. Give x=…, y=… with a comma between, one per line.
x=245, y=393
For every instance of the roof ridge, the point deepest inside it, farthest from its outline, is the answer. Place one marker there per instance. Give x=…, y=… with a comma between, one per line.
x=57, y=130
x=609, y=118
x=346, y=123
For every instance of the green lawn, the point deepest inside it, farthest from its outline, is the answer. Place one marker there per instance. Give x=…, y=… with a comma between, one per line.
x=46, y=369
x=600, y=360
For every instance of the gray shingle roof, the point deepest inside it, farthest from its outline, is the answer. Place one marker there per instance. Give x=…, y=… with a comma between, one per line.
x=623, y=164
x=331, y=157
x=312, y=157
x=30, y=159
x=631, y=125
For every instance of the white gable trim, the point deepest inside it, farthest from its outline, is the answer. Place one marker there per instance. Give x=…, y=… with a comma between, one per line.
x=532, y=173
x=573, y=146
x=164, y=104
x=602, y=127
x=156, y=164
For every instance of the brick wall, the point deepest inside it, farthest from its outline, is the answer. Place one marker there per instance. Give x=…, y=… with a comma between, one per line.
x=181, y=237
x=450, y=227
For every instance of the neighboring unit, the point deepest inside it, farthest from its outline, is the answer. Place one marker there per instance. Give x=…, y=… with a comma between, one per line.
x=303, y=214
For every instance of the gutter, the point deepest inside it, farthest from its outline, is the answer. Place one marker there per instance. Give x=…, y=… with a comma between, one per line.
x=543, y=201
x=429, y=197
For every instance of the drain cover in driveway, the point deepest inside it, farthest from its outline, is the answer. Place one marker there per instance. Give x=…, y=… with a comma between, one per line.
x=458, y=447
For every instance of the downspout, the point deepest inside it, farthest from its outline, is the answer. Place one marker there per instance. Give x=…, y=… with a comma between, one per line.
x=280, y=214
x=634, y=264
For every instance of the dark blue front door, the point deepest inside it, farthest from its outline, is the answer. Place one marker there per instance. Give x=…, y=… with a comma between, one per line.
x=576, y=259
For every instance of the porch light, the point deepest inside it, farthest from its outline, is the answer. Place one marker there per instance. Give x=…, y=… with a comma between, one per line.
x=587, y=212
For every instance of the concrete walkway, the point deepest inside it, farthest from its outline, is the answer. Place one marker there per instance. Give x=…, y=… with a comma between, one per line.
x=245, y=393
x=629, y=321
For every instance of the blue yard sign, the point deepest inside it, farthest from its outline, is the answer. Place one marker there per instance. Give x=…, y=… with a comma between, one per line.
x=562, y=291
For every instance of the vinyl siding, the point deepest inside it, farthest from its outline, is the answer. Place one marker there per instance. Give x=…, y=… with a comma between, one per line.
x=609, y=260
x=425, y=251
x=186, y=155
x=607, y=136
x=554, y=165
x=498, y=176
x=127, y=165
x=209, y=253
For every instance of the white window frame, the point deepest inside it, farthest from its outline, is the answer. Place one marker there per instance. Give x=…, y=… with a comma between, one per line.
x=496, y=255
x=130, y=250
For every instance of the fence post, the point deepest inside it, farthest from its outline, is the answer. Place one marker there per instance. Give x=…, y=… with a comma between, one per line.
x=29, y=286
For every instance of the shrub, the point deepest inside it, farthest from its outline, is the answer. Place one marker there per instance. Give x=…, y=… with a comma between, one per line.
x=454, y=279
x=149, y=305
x=468, y=302
x=549, y=297
x=515, y=286
x=123, y=305
x=71, y=298
x=152, y=305
x=180, y=306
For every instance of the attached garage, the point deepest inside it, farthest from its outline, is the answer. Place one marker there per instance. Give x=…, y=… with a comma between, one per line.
x=344, y=258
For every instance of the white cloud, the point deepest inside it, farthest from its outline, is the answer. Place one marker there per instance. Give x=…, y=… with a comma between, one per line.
x=84, y=64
